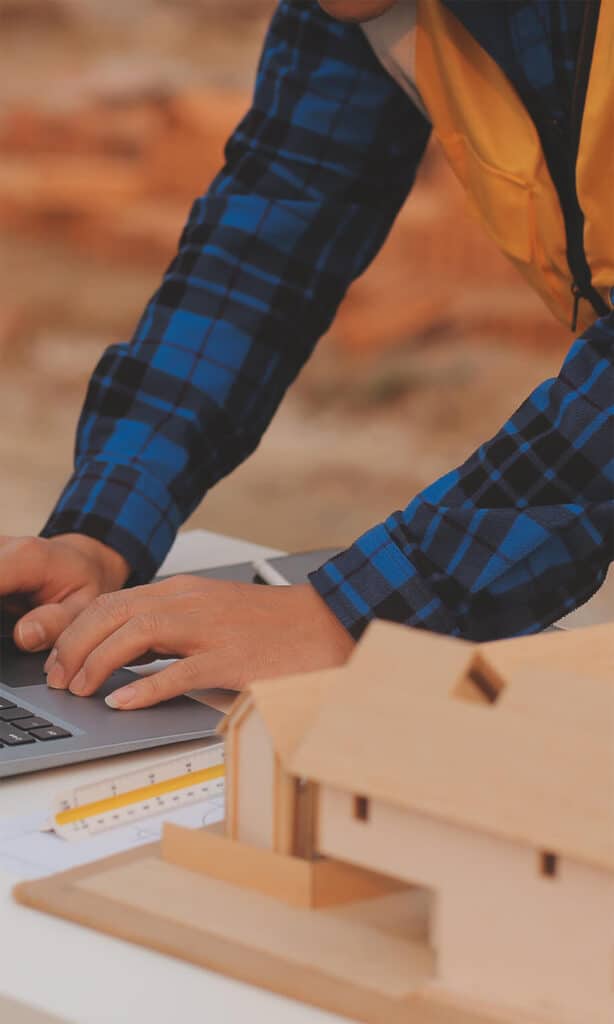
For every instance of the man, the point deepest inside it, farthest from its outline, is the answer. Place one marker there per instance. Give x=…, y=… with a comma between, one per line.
x=520, y=95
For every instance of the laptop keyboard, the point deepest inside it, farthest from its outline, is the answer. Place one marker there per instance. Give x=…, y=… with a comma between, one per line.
x=19, y=726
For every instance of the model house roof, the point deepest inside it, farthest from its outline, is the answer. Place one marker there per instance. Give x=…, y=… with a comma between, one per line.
x=287, y=705
x=579, y=650
x=442, y=660
x=526, y=752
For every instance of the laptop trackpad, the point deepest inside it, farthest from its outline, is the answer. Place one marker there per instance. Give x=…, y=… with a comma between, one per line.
x=19, y=669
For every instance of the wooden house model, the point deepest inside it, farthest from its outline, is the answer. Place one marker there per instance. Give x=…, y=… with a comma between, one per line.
x=481, y=776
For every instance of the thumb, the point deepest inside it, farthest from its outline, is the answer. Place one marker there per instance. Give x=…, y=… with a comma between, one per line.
x=40, y=628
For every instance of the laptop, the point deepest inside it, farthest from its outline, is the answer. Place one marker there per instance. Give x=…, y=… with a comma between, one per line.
x=43, y=728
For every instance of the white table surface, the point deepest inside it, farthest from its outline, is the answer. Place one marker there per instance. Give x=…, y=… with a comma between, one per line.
x=85, y=977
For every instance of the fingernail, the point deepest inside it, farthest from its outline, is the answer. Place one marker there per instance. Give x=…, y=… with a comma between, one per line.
x=56, y=677
x=50, y=660
x=31, y=635
x=78, y=683
x=119, y=698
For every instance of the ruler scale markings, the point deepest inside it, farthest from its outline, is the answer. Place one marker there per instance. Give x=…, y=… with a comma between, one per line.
x=136, y=779
x=139, y=795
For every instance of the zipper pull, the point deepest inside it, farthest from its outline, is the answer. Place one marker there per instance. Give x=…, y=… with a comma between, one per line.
x=577, y=295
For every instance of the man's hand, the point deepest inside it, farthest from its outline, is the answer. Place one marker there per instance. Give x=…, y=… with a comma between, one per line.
x=226, y=634
x=56, y=579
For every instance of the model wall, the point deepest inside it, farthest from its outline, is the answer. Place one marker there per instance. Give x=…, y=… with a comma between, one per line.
x=254, y=784
x=502, y=930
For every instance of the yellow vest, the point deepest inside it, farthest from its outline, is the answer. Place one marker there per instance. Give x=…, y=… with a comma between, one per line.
x=494, y=149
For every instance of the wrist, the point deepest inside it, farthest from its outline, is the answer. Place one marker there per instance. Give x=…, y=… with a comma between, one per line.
x=335, y=638
x=113, y=567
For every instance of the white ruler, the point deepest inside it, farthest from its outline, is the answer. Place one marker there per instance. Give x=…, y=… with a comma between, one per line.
x=123, y=799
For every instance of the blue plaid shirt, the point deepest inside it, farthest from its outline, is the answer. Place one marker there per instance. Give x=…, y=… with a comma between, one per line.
x=314, y=177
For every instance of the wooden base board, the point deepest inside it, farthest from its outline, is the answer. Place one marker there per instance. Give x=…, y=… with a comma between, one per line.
x=348, y=961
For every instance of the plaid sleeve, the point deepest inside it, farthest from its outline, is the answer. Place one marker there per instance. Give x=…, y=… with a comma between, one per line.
x=314, y=177
x=519, y=535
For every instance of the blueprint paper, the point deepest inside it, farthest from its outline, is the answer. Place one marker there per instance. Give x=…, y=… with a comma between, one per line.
x=27, y=852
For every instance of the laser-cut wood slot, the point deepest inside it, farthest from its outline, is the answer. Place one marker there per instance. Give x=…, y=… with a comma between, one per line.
x=481, y=683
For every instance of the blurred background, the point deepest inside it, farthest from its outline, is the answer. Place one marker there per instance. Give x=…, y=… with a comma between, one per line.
x=112, y=120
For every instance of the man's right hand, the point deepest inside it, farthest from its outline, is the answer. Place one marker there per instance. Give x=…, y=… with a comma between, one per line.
x=57, y=579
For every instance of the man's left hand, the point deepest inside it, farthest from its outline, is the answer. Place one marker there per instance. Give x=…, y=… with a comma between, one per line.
x=225, y=635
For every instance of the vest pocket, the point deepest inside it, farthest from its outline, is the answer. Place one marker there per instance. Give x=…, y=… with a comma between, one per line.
x=501, y=200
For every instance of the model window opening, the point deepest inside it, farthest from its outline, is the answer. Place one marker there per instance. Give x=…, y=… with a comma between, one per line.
x=549, y=864
x=361, y=808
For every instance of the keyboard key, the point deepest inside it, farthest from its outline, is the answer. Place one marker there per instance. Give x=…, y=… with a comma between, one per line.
x=12, y=736
x=50, y=732
x=12, y=714
x=4, y=703
x=33, y=723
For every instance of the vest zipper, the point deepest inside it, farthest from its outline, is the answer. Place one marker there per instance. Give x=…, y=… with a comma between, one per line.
x=582, y=287
x=577, y=294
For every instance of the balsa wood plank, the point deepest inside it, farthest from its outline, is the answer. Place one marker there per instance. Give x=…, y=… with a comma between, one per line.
x=253, y=868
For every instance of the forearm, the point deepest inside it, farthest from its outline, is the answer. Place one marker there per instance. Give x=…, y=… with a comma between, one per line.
x=516, y=537
x=314, y=177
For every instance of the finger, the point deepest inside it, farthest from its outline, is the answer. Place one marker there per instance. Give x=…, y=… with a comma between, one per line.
x=40, y=628
x=166, y=632
x=199, y=672
x=105, y=614
x=23, y=565
x=103, y=617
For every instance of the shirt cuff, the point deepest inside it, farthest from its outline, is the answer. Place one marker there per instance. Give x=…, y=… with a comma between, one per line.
x=374, y=579
x=124, y=509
